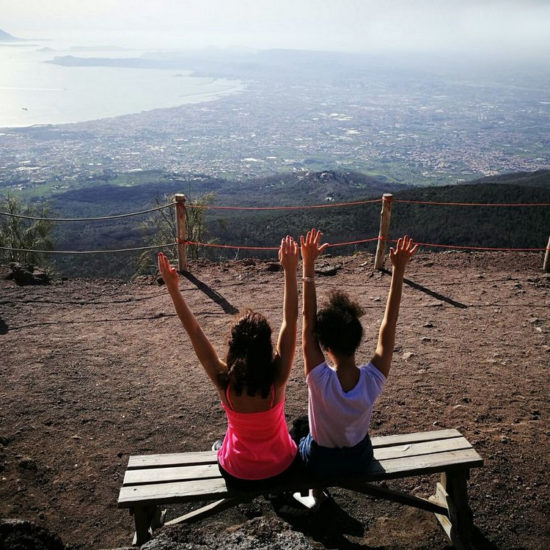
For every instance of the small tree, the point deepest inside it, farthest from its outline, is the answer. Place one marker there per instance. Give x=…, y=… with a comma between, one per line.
x=22, y=233
x=161, y=228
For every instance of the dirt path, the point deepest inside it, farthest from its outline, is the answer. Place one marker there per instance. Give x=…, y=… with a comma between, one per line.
x=93, y=371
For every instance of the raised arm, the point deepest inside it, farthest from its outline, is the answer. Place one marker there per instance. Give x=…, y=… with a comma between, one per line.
x=206, y=354
x=313, y=355
x=386, y=339
x=286, y=343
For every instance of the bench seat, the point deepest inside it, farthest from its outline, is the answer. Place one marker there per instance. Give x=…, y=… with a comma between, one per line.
x=157, y=479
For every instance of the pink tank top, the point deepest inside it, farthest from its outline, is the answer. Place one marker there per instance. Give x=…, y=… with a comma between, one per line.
x=256, y=445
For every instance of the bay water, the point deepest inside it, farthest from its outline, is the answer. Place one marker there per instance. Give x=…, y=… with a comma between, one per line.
x=33, y=91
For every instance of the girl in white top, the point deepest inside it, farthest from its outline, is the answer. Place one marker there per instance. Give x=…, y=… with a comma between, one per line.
x=341, y=396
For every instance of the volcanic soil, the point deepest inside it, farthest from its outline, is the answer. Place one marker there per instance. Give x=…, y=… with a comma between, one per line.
x=93, y=371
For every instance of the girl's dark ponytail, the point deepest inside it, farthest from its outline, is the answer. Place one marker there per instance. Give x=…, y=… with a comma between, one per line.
x=250, y=355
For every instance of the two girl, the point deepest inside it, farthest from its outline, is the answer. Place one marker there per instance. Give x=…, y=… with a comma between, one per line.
x=251, y=380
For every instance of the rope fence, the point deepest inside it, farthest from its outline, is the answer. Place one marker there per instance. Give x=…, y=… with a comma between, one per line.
x=370, y=201
x=465, y=247
x=293, y=207
x=498, y=204
x=297, y=207
x=182, y=242
x=241, y=247
x=99, y=251
x=101, y=218
x=370, y=240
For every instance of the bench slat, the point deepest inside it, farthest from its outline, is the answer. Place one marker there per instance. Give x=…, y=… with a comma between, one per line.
x=168, y=474
x=172, y=459
x=409, y=450
x=417, y=437
x=424, y=464
x=173, y=492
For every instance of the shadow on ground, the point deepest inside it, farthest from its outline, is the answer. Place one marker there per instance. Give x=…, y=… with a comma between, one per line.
x=212, y=294
x=431, y=293
x=328, y=525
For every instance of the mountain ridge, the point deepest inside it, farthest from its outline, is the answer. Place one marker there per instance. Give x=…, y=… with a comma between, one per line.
x=7, y=37
x=509, y=227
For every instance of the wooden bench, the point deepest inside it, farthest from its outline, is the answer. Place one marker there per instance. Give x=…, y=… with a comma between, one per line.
x=152, y=480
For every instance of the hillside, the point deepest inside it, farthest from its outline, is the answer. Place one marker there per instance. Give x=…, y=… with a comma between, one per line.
x=95, y=370
x=539, y=178
x=449, y=225
x=506, y=227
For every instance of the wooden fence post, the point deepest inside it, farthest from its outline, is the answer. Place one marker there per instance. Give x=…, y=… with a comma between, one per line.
x=546, y=264
x=181, y=235
x=385, y=217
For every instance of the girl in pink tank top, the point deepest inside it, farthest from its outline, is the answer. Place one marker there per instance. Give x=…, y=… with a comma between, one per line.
x=251, y=382
x=256, y=434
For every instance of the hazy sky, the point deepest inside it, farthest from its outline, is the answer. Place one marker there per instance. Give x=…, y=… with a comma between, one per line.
x=493, y=26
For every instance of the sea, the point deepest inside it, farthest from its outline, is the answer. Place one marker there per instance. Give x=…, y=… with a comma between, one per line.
x=33, y=91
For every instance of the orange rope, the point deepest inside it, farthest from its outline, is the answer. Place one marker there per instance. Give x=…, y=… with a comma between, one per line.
x=336, y=204
x=214, y=245
x=465, y=247
x=362, y=241
x=354, y=242
x=501, y=249
x=472, y=203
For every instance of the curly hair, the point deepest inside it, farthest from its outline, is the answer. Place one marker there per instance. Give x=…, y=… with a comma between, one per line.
x=249, y=360
x=337, y=326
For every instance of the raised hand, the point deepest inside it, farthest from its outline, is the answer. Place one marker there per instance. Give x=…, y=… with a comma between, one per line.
x=403, y=252
x=309, y=246
x=169, y=273
x=288, y=253
x=206, y=354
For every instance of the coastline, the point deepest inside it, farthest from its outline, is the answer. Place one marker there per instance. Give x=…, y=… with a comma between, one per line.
x=48, y=93
x=188, y=99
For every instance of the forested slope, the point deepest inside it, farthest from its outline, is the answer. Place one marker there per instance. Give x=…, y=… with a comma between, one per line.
x=456, y=225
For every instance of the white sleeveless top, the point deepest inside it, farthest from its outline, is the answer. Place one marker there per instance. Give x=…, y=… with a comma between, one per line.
x=338, y=418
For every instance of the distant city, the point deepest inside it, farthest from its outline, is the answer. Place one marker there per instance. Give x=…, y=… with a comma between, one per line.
x=302, y=112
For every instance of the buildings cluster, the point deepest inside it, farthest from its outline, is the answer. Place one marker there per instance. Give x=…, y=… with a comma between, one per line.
x=414, y=135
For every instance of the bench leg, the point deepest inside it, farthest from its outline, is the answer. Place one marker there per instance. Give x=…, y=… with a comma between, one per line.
x=158, y=518
x=452, y=493
x=146, y=518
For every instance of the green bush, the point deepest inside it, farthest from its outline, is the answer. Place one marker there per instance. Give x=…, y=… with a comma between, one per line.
x=21, y=239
